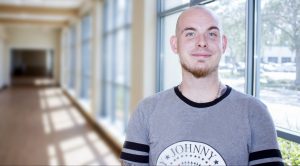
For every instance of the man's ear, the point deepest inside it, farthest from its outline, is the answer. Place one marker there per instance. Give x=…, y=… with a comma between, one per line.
x=224, y=43
x=173, y=43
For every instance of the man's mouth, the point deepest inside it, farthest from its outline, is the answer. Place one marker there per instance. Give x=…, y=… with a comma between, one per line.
x=201, y=55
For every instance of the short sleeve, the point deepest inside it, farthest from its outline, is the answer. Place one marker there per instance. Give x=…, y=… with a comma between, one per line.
x=136, y=146
x=263, y=148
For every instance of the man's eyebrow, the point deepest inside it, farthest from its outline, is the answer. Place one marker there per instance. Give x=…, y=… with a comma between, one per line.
x=194, y=29
x=188, y=29
x=213, y=27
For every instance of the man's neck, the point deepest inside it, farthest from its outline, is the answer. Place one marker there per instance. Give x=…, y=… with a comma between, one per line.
x=201, y=90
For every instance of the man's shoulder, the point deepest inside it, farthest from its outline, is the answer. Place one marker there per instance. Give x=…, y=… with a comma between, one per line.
x=159, y=96
x=248, y=100
x=244, y=96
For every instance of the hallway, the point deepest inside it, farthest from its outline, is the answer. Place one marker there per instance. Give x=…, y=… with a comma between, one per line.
x=40, y=126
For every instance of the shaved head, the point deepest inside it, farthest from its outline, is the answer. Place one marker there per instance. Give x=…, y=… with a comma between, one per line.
x=202, y=9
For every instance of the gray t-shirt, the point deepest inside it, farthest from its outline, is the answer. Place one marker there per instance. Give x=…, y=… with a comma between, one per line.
x=169, y=129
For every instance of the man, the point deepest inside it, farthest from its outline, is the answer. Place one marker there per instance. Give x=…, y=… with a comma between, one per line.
x=201, y=121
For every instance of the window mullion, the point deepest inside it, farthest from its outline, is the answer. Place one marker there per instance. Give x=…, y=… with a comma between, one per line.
x=250, y=46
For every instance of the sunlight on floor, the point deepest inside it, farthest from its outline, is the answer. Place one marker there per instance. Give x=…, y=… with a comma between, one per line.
x=46, y=124
x=76, y=151
x=61, y=120
x=58, y=115
x=43, y=81
x=52, y=155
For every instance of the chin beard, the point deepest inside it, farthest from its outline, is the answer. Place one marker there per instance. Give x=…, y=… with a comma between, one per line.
x=199, y=73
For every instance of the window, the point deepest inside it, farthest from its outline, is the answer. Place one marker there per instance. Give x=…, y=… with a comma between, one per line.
x=65, y=58
x=72, y=58
x=169, y=4
x=233, y=63
x=279, y=84
x=86, y=28
x=272, y=59
x=286, y=59
x=116, y=62
x=169, y=62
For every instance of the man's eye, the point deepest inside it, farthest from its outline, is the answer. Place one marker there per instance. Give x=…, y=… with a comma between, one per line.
x=190, y=34
x=212, y=34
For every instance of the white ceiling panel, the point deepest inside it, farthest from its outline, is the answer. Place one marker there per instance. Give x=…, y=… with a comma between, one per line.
x=44, y=3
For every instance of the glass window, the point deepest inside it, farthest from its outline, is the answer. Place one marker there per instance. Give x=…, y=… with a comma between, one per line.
x=72, y=57
x=272, y=59
x=168, y=4
x=233, y=63
x=279, y=76
x=286, y=59
x=171, y=65
x=65, y=62
x=86, y=57
x=116, y=62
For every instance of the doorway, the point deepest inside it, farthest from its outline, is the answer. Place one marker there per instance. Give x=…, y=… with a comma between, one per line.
x=28, y=65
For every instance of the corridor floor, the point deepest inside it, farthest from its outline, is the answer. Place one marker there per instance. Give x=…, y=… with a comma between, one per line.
x=40, y=126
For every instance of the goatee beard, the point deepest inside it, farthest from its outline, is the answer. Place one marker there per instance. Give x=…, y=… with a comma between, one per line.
x=198, y=73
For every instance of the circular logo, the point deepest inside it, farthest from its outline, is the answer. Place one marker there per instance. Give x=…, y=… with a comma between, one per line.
x=190, y=153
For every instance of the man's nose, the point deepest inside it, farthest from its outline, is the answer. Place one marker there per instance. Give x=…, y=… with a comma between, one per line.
x=201, y=41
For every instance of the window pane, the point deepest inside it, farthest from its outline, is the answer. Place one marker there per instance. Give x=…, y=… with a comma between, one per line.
x=109, y=13
x=168, y=4
x=86, y=57
x=72, y=57
x=279, y=68
x=232, y=64
x=120, y=57
x=121, y=10
x=171, y=64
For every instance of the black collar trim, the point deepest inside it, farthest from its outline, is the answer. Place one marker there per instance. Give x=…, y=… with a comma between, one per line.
x=202, y=105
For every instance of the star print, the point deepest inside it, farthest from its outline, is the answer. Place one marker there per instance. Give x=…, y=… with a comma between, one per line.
x=167, y=157
x=216, y=162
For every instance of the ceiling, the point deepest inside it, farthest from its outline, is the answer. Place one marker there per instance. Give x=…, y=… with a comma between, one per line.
x=38, y=12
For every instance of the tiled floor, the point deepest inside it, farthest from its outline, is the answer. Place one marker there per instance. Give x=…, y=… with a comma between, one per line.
x=39, y=126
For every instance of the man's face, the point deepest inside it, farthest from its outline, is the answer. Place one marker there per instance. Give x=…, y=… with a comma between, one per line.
x=198, y=42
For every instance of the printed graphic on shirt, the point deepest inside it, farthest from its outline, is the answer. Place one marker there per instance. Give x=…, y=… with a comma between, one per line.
x=190, y=153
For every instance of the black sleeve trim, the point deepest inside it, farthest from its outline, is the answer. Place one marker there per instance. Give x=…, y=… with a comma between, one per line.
x=136, y=146
x=264, y=154
x=134, y=158
x=270, y=164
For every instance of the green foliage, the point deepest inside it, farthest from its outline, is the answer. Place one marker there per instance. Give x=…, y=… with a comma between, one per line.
x=280, y=28
x=290, y=152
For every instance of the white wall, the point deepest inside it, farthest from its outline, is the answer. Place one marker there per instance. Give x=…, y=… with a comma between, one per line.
x=33, y=38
